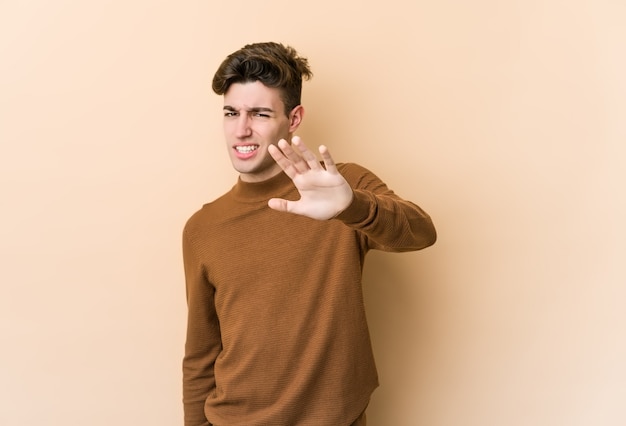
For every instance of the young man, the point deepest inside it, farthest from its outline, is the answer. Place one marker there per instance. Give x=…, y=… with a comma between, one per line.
x=276, y=330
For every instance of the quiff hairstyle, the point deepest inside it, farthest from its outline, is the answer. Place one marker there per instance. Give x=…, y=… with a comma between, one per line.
x=273, y=64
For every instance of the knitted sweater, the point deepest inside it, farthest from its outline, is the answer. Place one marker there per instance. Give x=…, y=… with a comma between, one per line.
x=276, y=332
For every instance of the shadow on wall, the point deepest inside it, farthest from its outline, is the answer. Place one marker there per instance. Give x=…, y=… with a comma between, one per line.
x=399, y=303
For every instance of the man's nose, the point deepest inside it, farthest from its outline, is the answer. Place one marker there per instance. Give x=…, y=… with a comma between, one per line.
x=243, y=126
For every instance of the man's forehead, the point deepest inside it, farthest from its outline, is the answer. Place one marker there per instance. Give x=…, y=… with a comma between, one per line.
x=252, y=95
x=252, y=88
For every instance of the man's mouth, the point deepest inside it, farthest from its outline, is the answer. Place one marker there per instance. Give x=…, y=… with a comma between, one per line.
x=246, y=149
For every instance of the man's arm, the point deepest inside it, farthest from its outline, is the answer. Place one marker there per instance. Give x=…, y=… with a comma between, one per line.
x=203, y=339
x=364, y=203
x=389, y=222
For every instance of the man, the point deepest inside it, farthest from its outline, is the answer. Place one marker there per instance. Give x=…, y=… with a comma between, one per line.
x=276, y=330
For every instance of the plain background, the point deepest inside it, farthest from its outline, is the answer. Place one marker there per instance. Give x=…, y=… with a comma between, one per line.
x=504, y=120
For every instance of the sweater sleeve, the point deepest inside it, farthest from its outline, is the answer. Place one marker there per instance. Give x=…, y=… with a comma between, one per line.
x=203, y=342
x=388, y=222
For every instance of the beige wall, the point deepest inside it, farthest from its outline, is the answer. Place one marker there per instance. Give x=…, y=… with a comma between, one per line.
x=504, y=120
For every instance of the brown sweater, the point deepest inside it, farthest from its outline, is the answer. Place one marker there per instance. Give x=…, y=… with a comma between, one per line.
x=276, y=331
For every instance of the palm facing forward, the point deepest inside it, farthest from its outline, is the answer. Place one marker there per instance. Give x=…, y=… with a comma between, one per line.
x=324, y=193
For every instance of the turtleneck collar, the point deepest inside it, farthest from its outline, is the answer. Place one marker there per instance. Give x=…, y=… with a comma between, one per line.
x=276, y=186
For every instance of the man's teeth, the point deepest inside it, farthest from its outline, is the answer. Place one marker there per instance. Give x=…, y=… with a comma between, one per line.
x=246, y=149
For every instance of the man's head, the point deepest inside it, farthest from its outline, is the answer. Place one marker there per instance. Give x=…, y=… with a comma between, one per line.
x=273, y=64
x=261, y=84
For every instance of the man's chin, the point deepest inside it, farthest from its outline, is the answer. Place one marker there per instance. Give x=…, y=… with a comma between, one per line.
x=256, y=173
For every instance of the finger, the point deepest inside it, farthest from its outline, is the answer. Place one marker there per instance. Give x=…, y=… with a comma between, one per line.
x=306, y=153
x=329, y=163
x=296, y=159
x=278, y=204
x=282, y=161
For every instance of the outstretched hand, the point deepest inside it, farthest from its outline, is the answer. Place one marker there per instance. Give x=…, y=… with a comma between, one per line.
x=324, y=193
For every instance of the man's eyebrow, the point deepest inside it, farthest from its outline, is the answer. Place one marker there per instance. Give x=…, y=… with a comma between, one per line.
x=254, y=109
x=261, y=109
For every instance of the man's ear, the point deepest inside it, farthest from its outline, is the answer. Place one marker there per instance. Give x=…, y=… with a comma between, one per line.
x=295, y=118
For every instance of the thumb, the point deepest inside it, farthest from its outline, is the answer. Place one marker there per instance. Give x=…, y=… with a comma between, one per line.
x=278, y=204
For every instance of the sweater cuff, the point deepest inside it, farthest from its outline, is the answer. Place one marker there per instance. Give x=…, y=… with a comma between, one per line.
x=359, y=209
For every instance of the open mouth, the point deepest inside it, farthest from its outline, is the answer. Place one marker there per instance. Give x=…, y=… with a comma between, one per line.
x=246, y=149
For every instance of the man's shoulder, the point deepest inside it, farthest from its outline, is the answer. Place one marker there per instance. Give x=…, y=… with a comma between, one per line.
x=356, y=174
x=210, y=211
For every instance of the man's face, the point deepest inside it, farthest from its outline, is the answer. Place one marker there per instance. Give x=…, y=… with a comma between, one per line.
x=254, y=119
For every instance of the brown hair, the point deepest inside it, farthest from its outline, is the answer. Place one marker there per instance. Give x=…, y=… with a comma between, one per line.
x=273, y=64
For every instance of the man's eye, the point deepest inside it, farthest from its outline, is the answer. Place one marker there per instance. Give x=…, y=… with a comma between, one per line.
x=261, y=115
x=230, y=114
